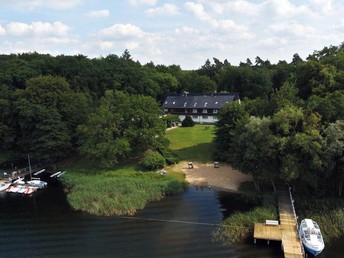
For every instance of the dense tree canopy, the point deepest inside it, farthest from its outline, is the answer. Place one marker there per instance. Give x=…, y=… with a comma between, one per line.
x=287, y=128
x=295, y=134
x=122, y=126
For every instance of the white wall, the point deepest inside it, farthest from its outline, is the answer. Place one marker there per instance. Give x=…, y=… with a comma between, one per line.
x=200, y=119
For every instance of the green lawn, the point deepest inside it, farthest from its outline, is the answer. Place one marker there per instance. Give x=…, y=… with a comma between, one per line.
x=193, y=143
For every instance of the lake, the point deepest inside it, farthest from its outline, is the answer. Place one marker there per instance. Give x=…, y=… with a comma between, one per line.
x=43, y=225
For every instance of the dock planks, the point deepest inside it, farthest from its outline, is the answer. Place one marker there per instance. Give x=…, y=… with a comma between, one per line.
x=286, y=231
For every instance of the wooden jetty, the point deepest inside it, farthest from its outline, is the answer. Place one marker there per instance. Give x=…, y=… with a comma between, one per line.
x=286, y=231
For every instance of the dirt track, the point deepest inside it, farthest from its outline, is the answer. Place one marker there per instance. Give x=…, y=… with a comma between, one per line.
x=224, y=177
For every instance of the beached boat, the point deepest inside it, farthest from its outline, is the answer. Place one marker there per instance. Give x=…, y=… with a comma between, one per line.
x=36, y=182
x=311, y=236
x=4, y=185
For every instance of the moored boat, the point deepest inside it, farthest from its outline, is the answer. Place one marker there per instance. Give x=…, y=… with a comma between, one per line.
x=13, y=188
x=4, y=185
x=311, y=236
x=19, y=181
x=36, y=182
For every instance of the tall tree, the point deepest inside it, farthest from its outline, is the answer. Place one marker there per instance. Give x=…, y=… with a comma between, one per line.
x=334, y=155
x=231, y=115
x=123, y=126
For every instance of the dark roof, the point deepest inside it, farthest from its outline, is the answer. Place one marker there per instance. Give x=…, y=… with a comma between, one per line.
x=209, y=101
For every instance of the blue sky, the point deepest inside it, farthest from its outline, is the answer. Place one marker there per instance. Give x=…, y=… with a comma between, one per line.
x=186, y=33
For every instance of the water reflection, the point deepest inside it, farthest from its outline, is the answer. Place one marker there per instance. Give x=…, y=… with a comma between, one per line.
x=43, y=225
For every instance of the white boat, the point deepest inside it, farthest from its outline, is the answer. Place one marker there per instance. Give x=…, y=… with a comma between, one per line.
x=39, y=172
x=19, y=181
x=30, y=190
x=61, y=174
x=4, y=186
x=22, y=189
x=37, y=183
x=56, y=174
x=13, y=189
x=311, y=236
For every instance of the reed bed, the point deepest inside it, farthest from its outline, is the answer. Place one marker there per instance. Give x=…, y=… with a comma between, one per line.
x=239, y=226
x=118, y=192
x=327, y=212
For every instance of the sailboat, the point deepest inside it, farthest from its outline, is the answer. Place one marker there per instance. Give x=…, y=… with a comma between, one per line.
x=36, y=182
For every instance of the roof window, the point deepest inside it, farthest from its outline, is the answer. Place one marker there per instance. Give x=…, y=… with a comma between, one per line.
x=174, y=102
x=185, y=104
x=195, y=104
x=216, y=102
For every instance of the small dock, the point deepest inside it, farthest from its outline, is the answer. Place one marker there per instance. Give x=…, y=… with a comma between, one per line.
x=15, y=174
x=286, y=231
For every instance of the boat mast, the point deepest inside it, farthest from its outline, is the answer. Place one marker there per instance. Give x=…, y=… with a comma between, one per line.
x=28, y=158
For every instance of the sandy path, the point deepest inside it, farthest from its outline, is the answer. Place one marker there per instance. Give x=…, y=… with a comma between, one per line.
x=224, y=177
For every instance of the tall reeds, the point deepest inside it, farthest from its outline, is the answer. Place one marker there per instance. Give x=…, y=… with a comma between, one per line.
x=120, y=192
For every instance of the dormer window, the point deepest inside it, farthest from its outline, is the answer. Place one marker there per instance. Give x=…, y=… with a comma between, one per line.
x=205, y=104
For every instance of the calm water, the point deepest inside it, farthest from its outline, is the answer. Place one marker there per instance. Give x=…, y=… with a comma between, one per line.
x=43, y=225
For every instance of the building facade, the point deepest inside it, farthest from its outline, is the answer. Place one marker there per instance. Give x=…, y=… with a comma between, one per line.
x=203, y=108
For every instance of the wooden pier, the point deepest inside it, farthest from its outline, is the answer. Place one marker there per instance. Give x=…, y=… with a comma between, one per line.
x=286, y=231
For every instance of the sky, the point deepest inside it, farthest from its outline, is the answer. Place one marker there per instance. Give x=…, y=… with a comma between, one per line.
x=185, y=33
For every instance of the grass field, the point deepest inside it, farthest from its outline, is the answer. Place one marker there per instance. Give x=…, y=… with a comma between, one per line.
x=193, y=143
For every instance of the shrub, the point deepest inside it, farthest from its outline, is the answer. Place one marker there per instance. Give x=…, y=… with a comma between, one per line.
x=188, y=122
x=171, y=120
x=153, y=160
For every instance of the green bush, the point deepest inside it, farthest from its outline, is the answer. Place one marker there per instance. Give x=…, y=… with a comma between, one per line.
x=171, y=120
x=188, y=122
x=153, y=160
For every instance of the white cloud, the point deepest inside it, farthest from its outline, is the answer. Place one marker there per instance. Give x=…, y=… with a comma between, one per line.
x=166, y=9
x=286, y=9
x=187, y=30
x=120, y=31
x=37, y=29
x=273, y=42
x=243, y=7
x=292, y=28
x=98, y=13
x=322, y=6
x=2, y=31
x=51, y=4
x=18, y=28
x=338, y=26
x=222, y=25
x=142, y=2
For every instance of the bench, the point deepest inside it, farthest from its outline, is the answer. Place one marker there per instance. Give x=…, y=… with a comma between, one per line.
x=271, y=222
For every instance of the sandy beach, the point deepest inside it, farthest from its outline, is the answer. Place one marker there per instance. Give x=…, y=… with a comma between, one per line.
x=225, y=177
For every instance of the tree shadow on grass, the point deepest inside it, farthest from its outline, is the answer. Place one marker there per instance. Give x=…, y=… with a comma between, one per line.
x=202, y=152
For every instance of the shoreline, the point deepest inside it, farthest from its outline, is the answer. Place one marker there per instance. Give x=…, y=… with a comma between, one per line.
x=224, y=178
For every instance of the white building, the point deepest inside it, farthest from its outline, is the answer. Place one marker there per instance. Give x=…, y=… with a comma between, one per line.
x=203, y=108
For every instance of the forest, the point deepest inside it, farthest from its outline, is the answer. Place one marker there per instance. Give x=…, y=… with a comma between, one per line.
x=289, y=126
